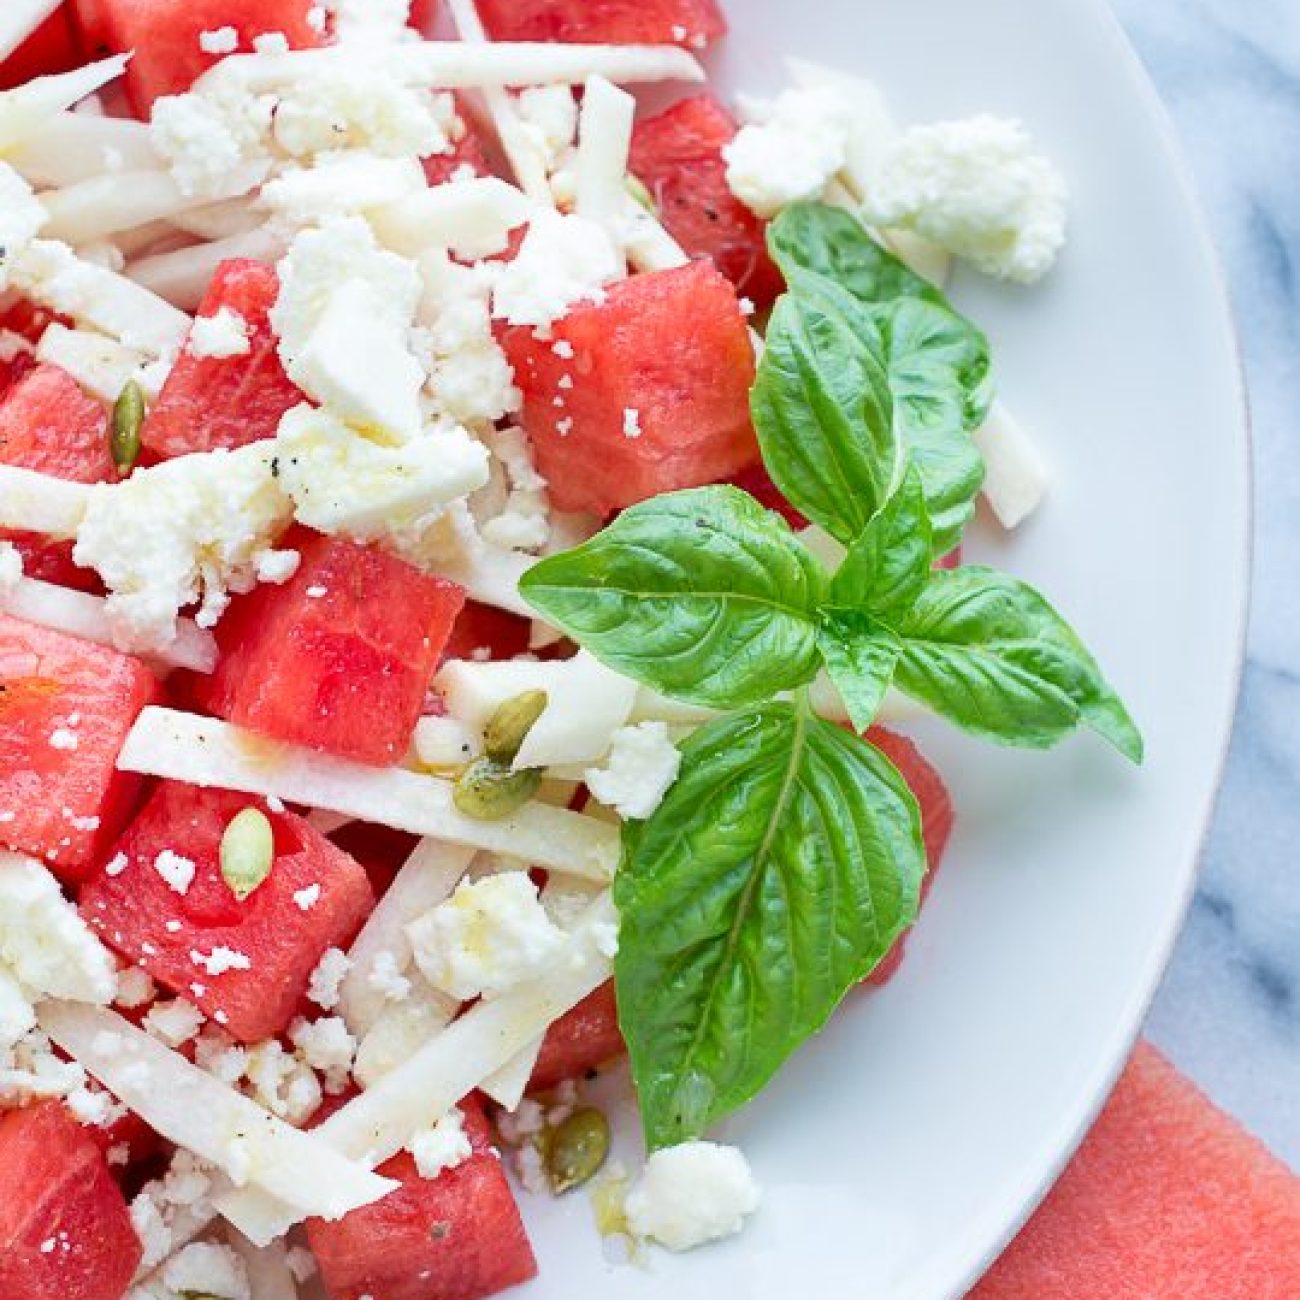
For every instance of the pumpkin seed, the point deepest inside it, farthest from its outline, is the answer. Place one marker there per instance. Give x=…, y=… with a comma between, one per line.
x=508, y=727
x=247, y=852
x=124, y=426
x=489, y=791
x=577, y=1149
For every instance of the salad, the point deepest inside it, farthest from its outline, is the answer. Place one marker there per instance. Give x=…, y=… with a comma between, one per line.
x=467, y=542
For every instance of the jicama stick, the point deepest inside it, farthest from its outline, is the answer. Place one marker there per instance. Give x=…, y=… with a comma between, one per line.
x=39, y=503
x=102, y=366
x=604, y=142
x=19, y=19
x=182, y=276
x=71, y=147
x=28, y=108
x=1015, y=475
x=473, y=218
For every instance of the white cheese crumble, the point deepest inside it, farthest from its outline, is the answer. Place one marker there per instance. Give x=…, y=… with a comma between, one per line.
x=548, y=115
x=691, y=1194
x=63, y=738
x=221, y=335
x=306, y=898
x=285, y=1085
x=174, y=1022
x=444, y=1146
x=202, y=1268
x=327, y=1046
x=221, y=960
x=386, y=978
x=195, y=528
x=564, y=260
x=643, y=763
x=978, y=188
x=323, y=989
x=176, y=871
x=21, y=217
x=220, y=40
x=135, y=988
x=491, y=935
x=208, y=136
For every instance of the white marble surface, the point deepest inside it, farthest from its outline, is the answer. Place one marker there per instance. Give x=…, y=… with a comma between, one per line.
x=1229, y=1011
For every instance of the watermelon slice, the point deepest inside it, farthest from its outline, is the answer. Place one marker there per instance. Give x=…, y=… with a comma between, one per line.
x=678, y=157
x=579, y=1041
x=65, y=708
x=617, y=22
x=484, y=628
x=211, y=402
x=339, y=658
x=171, y=916
x=455, y=1237
x=1167, y=1199
x=164, y=34
x=642, y=393
x=55, y=46
x=65, y=1233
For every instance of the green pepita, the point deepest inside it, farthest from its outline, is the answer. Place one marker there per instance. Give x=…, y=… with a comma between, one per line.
x=577, y=1149
x=247, y=852
x=509, y=726
x=124, y=426
x=489, y=791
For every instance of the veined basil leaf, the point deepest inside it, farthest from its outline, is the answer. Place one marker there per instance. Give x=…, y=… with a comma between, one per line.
x=823, y=407
x=889, y=564
x=702, y=594
x=990, y=653
x=778, y=871
x=860, y=656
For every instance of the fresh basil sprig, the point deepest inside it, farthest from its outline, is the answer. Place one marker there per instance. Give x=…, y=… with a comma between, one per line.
x=779, y=870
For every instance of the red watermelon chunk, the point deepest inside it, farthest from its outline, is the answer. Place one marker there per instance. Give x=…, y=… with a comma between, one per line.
x=579, y=1041
x=936, y=822
x=484, y=628
x=467, y=151
x=338, y=658
x=65, y=1233
x=211, y=402
x=53, y=47
x=455, y=1237
x=678, y=157
x=277, y=940
x=654, y=397
x=615, y=22
x=1167, y=1199
x=164, y=35
x=65, y=708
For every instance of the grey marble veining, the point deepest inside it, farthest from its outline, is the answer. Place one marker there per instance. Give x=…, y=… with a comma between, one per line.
x=1229, y=1010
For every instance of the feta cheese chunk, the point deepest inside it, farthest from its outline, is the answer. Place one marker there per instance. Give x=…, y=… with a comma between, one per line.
x=643, y=763
x=491, y=935
x=202, y=1268
x=195, y=528
x=444, y=1146
x=21, y=217
x=221, y=335
x=691, y=1194
x=563, y=260
x=207, y=136
x=340, y=184
x=43, y=940
x=978, y=188
x=794, y=154
x=344, y=483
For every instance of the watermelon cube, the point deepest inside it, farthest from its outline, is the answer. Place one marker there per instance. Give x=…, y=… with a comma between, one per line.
x=65, y=1233
x=936, y=823
x=65, y=708
x=455, y=1237
x=645, y=392
x=49, y=425
x=211, y=402
x=484, y=629
x=466, y=151
x=161, y=900
x=615, y=22
x=53, y=47
x=580, y=1040
x=164, y=34
x=1167, y=1199
x=338, y=658
x=677, y=155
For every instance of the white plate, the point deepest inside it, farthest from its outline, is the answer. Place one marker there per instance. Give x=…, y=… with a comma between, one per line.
x=902, y=1149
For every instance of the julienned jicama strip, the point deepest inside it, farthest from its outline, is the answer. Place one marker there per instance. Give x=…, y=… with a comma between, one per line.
x=382, y=1120
x=202, y=1114
x=205, y=752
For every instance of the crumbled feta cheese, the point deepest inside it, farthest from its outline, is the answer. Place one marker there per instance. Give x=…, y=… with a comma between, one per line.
x=691, y=1194
x=221, y=335
x=135, y=987
x=386, y=978
x=549, y=117
x=219, y=1055
x=631, y=422
x=174, y=1022
x=643, y=763
x=17, y=1015
x=339, y=184
x=202, y=1268
x=193, y=528
x=92, y=1108
x=306, y=898
x=177, y=871
x=794, y=154
x=277, y=567
x=207, y=137
x=444, y=1146
x=369, y=21
x=327, y=1046
x=271, y=43
x=323, y=989
x=221, y=960
x=43, y=940
x=491, y=935
x=21, y=217
x=220, y=40
x=527, y=1120
x=563, y=260
x=286, y=1086
x=64, y=738
x=344, y=483
x=117, y=864
x=978, y=188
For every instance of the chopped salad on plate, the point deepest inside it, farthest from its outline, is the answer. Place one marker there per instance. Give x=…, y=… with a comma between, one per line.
x=470, y=540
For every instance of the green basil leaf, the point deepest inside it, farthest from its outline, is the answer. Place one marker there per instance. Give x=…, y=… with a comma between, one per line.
x=823, y=407
x=991, y=654
x=703, y=595
x=889, y=565
x=778, y=871
x=860, y=656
